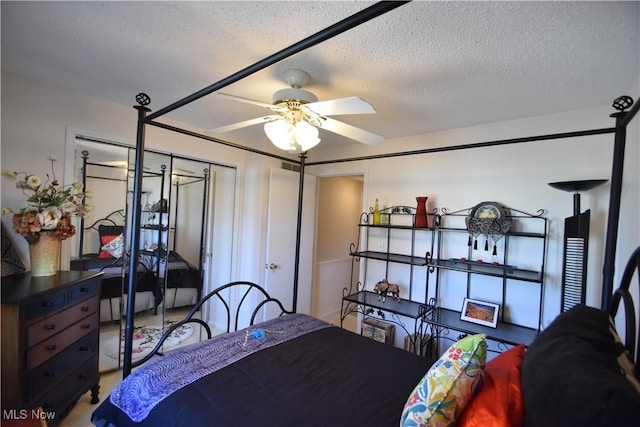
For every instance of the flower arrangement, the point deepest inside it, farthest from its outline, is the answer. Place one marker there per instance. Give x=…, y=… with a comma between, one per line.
x=50, y=206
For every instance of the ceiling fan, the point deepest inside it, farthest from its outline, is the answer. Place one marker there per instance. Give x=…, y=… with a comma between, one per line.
x=298, y=114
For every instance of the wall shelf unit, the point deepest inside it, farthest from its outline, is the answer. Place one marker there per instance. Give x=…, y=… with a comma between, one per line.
x=155, y=223
x=380, y=255
x=517, y=259
x=445, y=258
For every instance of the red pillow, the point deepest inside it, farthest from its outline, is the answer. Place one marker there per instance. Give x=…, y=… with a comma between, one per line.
x=103, y=241
x=498, y=402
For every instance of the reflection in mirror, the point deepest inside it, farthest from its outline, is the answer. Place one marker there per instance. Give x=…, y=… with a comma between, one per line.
x=99, y=241
x=179, y=201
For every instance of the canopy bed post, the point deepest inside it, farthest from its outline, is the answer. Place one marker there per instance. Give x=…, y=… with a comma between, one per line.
x=143, y=100
x=175, y=219
x=85, y=157
x=161, y=207
x=205, y=205
x=296, y=266
x=620, y=104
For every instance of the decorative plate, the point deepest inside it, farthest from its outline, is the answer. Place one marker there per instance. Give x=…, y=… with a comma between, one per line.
x=488, y=210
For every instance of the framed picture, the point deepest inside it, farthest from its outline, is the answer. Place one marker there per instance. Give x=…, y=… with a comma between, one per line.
x=480, y=312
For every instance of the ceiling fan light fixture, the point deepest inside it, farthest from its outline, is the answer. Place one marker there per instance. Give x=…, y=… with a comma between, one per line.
x=291, y=137
x=296, y=115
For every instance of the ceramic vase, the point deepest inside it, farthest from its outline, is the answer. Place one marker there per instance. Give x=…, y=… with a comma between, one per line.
x=420, y=220
x=44, y=254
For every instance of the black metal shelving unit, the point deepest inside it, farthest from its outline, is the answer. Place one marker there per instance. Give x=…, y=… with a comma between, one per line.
x=156, y=256
x=431, y=322
x=445, y=321
x=406, y=313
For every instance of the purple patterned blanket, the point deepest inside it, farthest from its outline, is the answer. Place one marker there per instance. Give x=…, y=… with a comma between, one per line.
x=145, y=387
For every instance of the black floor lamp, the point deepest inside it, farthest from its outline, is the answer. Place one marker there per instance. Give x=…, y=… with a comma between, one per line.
x=576, y=244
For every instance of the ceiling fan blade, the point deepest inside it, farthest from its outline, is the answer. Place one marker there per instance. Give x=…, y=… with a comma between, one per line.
x=352, y=132
x=247, y=100
x=335, y=107
x=246, y=123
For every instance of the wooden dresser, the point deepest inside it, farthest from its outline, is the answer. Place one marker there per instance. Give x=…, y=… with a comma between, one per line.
x=50, y=341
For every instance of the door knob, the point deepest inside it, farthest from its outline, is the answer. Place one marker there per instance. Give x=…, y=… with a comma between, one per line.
x=271, y=266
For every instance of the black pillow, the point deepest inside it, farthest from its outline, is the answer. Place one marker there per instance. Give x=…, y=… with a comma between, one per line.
x=11, y=261
x=110, y=230
x=571, y=375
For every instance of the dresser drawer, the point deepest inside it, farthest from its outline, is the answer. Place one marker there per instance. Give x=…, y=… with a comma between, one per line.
x=77, y=383
x=46, y=376
x=56, y=344
x=50, y=326
x=46, y=304
x=83, y=290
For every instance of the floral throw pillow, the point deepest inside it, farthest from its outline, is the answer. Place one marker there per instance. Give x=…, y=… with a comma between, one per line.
x=114, y=247
x=446, y=389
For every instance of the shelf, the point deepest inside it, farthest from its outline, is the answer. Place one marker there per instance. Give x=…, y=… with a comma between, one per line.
x=397, y=227
x=509, y=233
x=157, y=253
x=505, y=332
x=488, y=269
x=154, y=227
x=383, y=256
x=401, y=307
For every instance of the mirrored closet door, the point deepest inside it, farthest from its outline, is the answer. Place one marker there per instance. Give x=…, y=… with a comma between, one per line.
x=175, y=202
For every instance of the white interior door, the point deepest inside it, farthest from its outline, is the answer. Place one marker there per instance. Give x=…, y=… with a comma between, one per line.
x=282, y=217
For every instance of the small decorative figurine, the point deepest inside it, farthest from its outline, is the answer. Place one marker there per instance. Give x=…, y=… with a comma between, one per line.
x=383, y=287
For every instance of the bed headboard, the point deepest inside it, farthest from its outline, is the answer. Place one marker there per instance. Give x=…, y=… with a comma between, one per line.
x=236, y=298
x=110, y=225
x=623, y=294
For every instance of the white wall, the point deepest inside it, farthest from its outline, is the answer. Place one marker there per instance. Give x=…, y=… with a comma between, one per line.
x=338, y=209
x=515, y=175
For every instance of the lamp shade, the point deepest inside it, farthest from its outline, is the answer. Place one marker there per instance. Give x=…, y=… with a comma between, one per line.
x=279, y=133
x=306, y=136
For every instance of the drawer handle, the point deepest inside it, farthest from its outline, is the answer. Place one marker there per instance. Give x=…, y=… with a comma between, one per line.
x=84, y=308
x=86, y=326
x=49, y=373
x=52, y=347
x=84, y=289
x=84, y=348
x=50, y=326
x=48, y=304
x=82, y=376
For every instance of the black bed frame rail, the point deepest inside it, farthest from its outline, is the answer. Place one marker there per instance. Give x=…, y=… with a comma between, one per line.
x=631, y=341
x=244, y=290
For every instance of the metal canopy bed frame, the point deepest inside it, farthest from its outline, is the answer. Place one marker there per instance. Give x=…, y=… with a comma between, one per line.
x=146, y=117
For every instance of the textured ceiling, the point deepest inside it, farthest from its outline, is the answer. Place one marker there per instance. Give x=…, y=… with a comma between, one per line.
x=425, y=66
